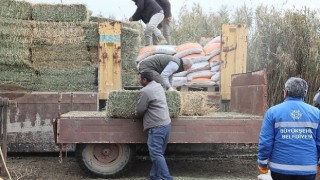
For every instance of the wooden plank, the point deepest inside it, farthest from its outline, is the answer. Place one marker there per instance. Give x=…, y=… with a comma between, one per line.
x=233, y=55
x=109, y=58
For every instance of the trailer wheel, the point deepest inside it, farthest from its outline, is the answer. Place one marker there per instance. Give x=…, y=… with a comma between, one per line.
x=106, y=160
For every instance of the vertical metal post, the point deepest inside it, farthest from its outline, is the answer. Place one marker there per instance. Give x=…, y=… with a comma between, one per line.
x=4, y=103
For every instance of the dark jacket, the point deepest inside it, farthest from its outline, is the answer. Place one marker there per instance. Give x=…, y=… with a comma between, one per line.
x=159, y=62
x=145, y=10
x=166, y=6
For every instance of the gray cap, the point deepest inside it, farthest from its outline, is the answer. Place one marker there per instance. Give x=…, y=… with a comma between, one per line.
x=296, y=87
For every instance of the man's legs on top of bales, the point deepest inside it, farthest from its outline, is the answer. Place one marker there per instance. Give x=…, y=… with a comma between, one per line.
x=166, y=27
x=151, y=29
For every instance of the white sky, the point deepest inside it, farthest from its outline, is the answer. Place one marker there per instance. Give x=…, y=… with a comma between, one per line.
x=125, y=8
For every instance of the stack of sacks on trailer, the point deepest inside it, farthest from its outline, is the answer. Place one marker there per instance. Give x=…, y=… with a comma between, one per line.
x=205, y=70
x=206, y=64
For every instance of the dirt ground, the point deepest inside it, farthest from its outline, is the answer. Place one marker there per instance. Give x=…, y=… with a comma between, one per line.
x=48, y=167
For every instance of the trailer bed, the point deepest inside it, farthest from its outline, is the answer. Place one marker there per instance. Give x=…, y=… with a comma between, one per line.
x=218, y=127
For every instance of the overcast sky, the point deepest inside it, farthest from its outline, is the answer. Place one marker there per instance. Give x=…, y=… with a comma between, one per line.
x=122, y=9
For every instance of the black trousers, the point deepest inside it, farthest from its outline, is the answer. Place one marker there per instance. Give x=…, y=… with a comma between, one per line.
x=278, y=176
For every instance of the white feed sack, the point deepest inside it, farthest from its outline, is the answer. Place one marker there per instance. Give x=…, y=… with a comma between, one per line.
x=187, y=49
x=200, y=74
x=199, y=67
x=215, y=77
x=179, y=81
x=152, y=50
x=199, y=59
x=215, y=40
x=215, y=68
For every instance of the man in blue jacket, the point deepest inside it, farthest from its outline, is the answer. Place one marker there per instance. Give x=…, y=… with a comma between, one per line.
x=316, y=99
x=289, y=143
x=151, y=13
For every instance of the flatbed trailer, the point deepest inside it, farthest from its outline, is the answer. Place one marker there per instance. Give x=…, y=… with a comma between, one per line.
x=106, y=146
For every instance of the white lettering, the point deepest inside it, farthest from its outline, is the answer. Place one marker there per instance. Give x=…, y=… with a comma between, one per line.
x=296, y=133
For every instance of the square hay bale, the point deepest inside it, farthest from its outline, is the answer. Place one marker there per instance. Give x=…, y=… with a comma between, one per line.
x=196, y=104
x=53, y=33
x=121, y=104
x=15, y=56
x=73, y=53
x=64, y=80
x=16, y=9
x=17, y=75
x=91, y=32
x=15, y=27
x=60, y=13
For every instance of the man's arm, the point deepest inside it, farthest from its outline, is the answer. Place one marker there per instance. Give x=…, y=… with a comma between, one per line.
x=171, y=68
x=137, y=15
x=266, y=140
x=142, y=104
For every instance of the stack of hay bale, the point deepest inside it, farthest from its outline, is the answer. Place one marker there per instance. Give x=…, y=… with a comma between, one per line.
x=16, y=39
x=53, y=47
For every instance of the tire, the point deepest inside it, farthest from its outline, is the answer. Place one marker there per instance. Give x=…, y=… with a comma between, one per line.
x=106, y=160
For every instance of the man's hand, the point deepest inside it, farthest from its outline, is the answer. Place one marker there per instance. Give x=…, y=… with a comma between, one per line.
x=168, y=19
x=264, y=170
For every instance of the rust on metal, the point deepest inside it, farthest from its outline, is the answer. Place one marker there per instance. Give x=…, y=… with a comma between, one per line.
x=30, y=122
x=249, y=93
x=211, y=129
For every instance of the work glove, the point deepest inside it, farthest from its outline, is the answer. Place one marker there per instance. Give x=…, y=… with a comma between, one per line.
x=264, y=170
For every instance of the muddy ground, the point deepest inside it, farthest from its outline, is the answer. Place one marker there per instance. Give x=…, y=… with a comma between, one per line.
x=47, y=166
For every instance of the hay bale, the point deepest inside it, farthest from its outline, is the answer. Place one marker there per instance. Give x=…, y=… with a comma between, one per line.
x=195, y=104
x=15, y=56
x=130, y=39
x=53, y=33
x=18, y=75
x=91, y=32
x=15, y=27
x=16, y=9
x=72, y=54
x=121, y=104
x=64, y=80
x=60, y=13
